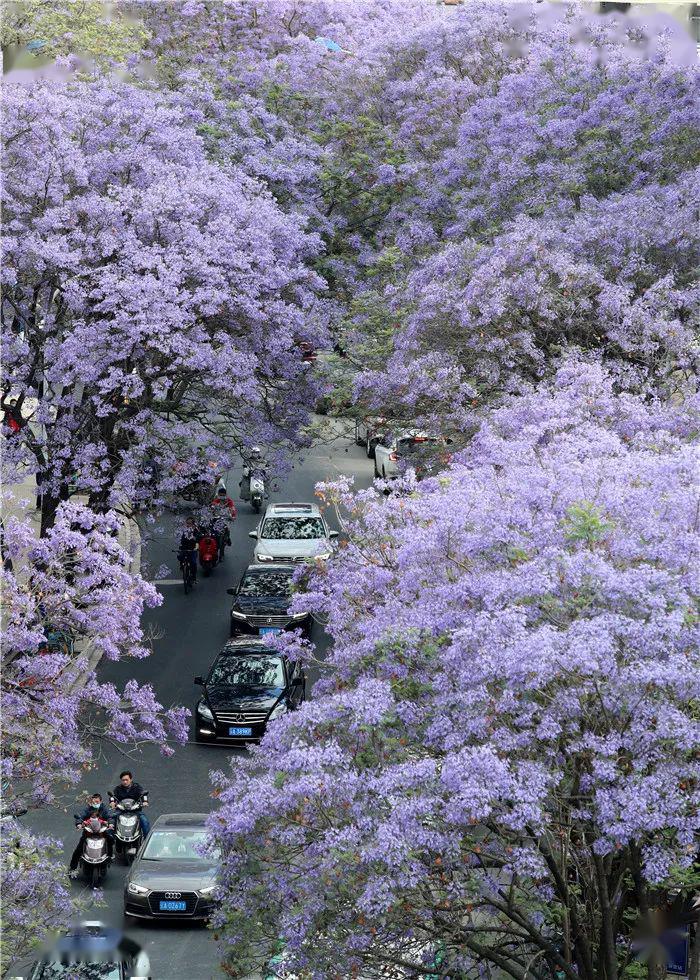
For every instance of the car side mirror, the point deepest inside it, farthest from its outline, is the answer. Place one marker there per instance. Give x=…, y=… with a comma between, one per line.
x=199, y=680
x=333, y=534
x=252, y=534
x=230, y=591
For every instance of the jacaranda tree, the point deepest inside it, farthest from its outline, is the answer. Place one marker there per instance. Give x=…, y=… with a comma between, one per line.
x=67, y=598
x=501, y=767
x=152, y=298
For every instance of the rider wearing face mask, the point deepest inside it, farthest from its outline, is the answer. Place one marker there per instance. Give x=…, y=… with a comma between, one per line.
x=94, y=808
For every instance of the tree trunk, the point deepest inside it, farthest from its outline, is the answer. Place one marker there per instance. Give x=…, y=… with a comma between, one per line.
x=49, y=506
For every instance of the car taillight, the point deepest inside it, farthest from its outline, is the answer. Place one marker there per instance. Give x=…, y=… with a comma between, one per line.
x=393, y=457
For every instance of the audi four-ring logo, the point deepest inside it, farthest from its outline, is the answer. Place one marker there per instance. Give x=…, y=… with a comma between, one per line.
x=173, y=894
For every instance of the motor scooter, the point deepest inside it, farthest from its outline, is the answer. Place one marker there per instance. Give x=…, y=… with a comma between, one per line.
x=127, y=829
x=95, y=852
x=208, y=553
x=257, y=489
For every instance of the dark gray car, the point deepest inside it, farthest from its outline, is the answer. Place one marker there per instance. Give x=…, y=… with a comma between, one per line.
x=171, y=878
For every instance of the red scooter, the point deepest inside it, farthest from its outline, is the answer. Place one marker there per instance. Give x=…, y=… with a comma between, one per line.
x=208, y=553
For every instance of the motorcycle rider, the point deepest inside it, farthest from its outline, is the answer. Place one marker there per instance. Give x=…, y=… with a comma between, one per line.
x=127, y=789
x=94, y=808
x=222, y=499
x=253, y=464
x=189, y=545
x=219, y=505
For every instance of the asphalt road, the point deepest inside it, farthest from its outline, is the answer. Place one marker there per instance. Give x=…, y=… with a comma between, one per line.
x=188, y=632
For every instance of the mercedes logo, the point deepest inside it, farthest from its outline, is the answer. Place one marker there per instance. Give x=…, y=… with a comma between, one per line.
x=173, y=894
x=239, y=717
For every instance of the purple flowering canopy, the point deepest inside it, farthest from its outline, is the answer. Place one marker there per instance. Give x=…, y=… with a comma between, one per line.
x=145, y=289
x=502, y=762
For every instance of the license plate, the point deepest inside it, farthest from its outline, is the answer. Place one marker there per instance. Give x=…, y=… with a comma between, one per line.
x=264, y=630
x=173, y=906
x=238, y=730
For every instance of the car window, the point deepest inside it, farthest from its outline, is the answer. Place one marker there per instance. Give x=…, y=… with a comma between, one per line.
x=236, y=670
x=179, y=845
x=410, y=446
x=293, y=528
x=266, y=582
x=80, y=971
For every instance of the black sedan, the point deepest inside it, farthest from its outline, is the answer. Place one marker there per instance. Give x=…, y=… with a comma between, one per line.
x=247, y=686
x=172, y=877
x=261, y=600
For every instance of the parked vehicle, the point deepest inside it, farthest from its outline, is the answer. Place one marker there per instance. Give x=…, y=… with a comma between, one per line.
x=127, y=828
x=95, y=854
x=261, y=600
x=397, y=448
x=173, y=877
x=248, y=686
x=86, y=951
x=369, y=431
x=292, y=533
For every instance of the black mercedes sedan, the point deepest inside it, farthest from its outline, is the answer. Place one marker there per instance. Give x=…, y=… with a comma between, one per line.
x=247, y=686
x=261, y=600
x=172, y=877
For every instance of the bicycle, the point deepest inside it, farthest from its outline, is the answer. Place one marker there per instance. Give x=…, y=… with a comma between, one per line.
x=188, y=578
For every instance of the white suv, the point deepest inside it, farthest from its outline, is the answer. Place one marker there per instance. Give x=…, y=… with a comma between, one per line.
x=292, y=532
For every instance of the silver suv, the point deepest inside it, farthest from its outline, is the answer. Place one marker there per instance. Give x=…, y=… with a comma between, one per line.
x=292, y=532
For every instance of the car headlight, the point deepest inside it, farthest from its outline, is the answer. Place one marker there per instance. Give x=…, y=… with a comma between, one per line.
x=207, y=892
x=278, y=711
x=265, y=557
x=324, y=555
x=135, y=889
x=299, y=615
x=204, y=711
x=237, y=614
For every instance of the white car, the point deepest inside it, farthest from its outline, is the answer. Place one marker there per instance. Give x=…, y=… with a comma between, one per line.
x=395, y=448
x=292, y=533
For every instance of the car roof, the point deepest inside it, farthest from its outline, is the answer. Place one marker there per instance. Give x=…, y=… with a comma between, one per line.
x=274, y=566
x=293, y=510
x=185, y=821
x=248, y=644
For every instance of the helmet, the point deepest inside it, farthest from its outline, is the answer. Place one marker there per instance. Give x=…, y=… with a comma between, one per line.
x=221, y=490
x=255, y=452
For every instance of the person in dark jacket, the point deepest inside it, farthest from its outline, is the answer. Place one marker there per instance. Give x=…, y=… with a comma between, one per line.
x=94, y=808
x=127, y=789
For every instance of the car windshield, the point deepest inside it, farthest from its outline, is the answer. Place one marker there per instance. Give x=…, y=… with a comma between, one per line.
x=236, y=670
x=81, y=971
x=266, y=582
x=293, y=528
x=179, y=845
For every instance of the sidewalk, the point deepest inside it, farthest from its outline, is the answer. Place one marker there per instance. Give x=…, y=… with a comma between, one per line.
x=19, y=499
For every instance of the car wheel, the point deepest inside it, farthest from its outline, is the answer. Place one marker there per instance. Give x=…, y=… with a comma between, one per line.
x=376, y=471
x=369, y=448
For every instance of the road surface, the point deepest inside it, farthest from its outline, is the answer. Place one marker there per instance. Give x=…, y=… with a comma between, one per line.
x=188, y=633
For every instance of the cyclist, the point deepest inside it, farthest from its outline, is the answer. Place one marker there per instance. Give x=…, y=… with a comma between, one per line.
x=189, y=545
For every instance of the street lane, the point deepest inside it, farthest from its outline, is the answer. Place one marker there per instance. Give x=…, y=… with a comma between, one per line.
x=188, y=633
